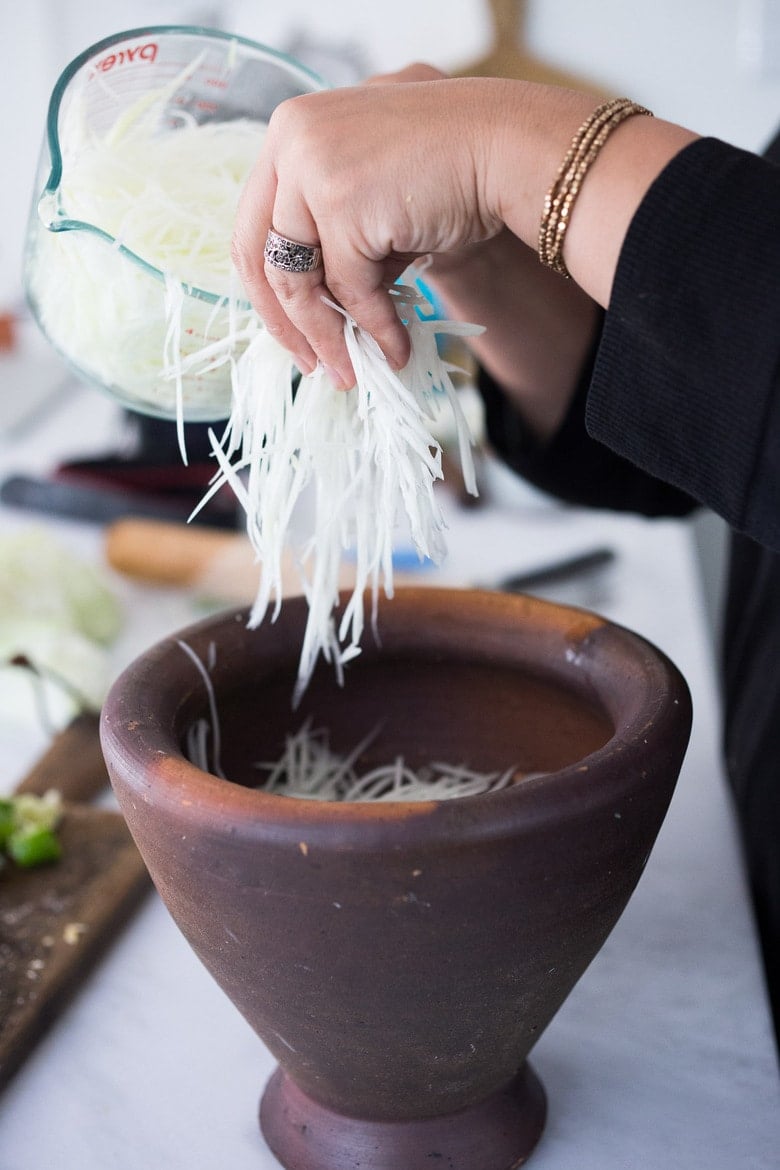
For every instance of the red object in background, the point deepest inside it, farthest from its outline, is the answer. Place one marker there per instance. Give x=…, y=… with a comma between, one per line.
x=7, y=332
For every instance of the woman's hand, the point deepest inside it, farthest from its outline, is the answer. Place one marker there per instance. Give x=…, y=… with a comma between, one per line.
x=375, y=175
x=415, y=164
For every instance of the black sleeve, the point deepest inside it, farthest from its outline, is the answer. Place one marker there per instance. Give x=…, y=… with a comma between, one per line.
x=573, y=466
x=680, y=402
x=686, y=382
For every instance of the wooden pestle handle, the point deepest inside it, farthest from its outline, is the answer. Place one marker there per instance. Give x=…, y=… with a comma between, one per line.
x=168, y=553
x=222, y=565
x=73, y=763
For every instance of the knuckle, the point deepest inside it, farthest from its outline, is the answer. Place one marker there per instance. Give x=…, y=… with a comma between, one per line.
x=282, y=117
x=417, y=71
x=293, y=120
x=279, y=281
x=422, y=71
x=295, y=289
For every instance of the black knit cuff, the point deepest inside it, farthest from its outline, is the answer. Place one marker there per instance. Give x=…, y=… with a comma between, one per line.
x=572, y=466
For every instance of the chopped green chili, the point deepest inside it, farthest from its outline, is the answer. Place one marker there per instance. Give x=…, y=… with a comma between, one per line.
x=28, y=828
x=35, y=847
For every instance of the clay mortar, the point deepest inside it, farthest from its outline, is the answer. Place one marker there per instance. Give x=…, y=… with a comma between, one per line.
x=401, y=960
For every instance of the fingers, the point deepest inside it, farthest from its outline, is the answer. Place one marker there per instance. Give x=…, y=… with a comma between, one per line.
x=302, y=301
x=360, y=286
x=251, y=229
x=363, y=174
x=293, y=305
x=307, y=303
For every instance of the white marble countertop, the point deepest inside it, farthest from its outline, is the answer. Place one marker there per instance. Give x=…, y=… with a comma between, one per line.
x=663, y=1053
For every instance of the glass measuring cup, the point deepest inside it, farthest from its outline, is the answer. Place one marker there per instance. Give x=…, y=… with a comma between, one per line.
x=127, y=322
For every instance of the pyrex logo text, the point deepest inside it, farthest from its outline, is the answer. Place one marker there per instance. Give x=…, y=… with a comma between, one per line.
x=146, y=52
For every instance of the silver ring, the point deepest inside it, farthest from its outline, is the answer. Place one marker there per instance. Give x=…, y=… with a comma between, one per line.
x=290, y=256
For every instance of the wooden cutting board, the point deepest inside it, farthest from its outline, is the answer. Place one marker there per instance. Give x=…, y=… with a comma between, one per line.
x=56, y=920
x=509, y=57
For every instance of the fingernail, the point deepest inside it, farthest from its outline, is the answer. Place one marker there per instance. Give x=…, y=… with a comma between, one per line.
x=396, y=362
x=306, y=366
x=338, y=380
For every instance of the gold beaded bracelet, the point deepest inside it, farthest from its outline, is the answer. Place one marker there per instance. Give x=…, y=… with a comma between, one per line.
x=584, y=149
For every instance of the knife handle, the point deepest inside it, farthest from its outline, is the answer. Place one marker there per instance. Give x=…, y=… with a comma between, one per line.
x=73, y=763
x=167, y=553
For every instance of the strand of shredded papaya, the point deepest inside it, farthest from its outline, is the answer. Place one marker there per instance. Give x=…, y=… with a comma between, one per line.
x=309, y=769
x=165, y=187
x=334, y=474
